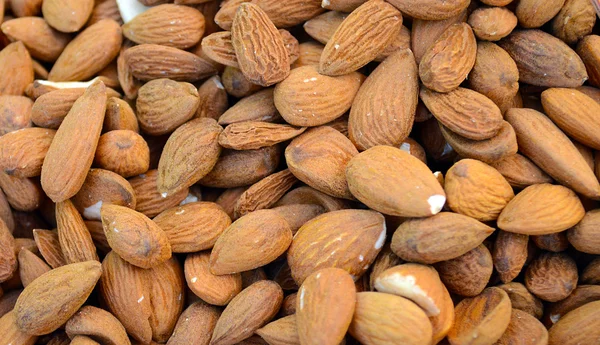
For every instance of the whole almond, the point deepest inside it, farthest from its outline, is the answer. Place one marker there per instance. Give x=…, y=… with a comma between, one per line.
x=377, y=117
x=580, y=22
x=581, y=296
x=425, y=32
x=105, y=9
x=97, y=323
x=264, y=193
x=283, y=331
x=522, y=299
x=290, y=13
x=23, y=194
x=16, y=62
x=190, y=154
x=49, y=246
x=468, y=274
x=168, y=25
x=73, y=235
x=588, y=51
x=67, y=151
x=248, y=311
x=195, y=324
x=119, y=115
x=124, y=152
x=136, y=238
x=15, y=113
x=252, y=135
x=325, y=306
x=556, y=242
x=298, y=214
x=346, y=239
x=578, y=326
x=584, y=236
x=323, y=26
x=382, y=318
x=49, y=301
x=258, y=46
x=523, y=323
x=520, y=172
x=236, y=84
x=551, y=276
x=535, y=13
x=307, y=98
x=308, y=195
x=213, y=289
x=50, y=109
x=213, y=99
x=8, y=259
x=22, y=152
x=87, y=54
x=442, y=237
x=67, y=15
x=492, y=23
x=310, y=54
x=257, y=107
x=541, y=209
x=382, y=176
x=41, y=40
x=558, y=157
x=361, y=37
x=447, y=63
x=11, y=332
x=236, y=249
x=430, y=9
x=509, y=254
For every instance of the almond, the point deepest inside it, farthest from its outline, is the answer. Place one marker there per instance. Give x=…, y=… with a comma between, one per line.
x=551, y=276
x=15, y=62
x=290, y=13
x=509, y=255
x=535, y=13
x=346, y=239
x=575, y=20
x=307, y=98
x=236, y=84
x=361, y=37
x=578, y=326
x=308, y=195
x=234, y=251
x=382, y=176
x=15, y=113
x=309, y=54
x=42, y=41
x=248, y=311
x=556, y=242
x=124, y=152
x=522, y=299
x=523, y=323
x=424, y=33
x=430, y=9
x=298, y=214
x=8, y=259
x=581, y=296
x=382, y=318
x=49, y=301
x=50, y=109
x=264, y=193
x=228, y=8
x=520, y=172
x=168, y=25
x=213, y=99
x=12, y=334
x=23, y=194
x=195, y=141
x=558, y=157
x=105, y=9
x=257, y=107
x=87, y=54
x=258, y=46
x=74, y=145
x=195, y=324
x=136, y=238
x=482, y=319
x=213, y=289
x=49, y=246
x=378, y=116
x=588, y=51
x=119, y=116
x=468, y=274
x=323, y=26
x=583, y=236
x=22, y=152
x=24, y=8
x=541, y=209
x=442, y=237
x=97, y=323
x=6, y=213
x=67, y=15
x=283, y=331
x=492, y=23
x=75, y=239
x=252, y=135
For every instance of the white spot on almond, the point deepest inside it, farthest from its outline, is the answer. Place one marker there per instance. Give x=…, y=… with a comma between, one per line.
x=436, y=203
x=93, y=212
x=381, y=239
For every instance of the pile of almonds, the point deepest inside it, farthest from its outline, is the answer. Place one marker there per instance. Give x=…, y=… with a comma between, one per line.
x=310, y=172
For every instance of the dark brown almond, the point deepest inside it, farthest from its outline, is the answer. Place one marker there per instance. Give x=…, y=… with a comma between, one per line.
x=510, y=253
x=551, y=276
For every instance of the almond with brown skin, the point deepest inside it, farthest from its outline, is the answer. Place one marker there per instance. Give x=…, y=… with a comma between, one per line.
x=298, y=214
x=308, y=195
x=535, y=13
x=290, y=13
x=224, y=17
x=378, y=116
x=258, y=46
x=430, y=9
x=325, y=306
x=346, y=239
x=67, y=15
x=492, y=23
x=509, y=254
x=213, y=289
x=557, y=157
x=322, y=27
x=194, y=226
x=578, y=326
x=195, y=324
x=236, y=84
x=98, y=324
x=135, y=237
x=15, y=62
x=168, y=25
x=105, y=9
x=190, y=154
x=10, y=331
x=124, y=152
x=556, y=242
x=581, y=296
x=257, y=107
x=119, y=115
x=283, y=331
x=234, y=251
x=468, y=274
x=307, y=98
x=585, y=236
x=447, y=63
x=543, y=59
x=74, y=145
x=522, y=323
x=382, y=318
x=382, y=177
x=74, y=237
x=91, y=51
x=310, y=54
x=319, y=158
x=442, y=237
x=22, y=152
x=522, y=299
x=50, y=109
x=252, y=135
x=575, y=20
x=264, y=193
x=520, y=172
x=23, y=194
x=49, y=301
x=6, y=213
x=8, y=258
x=15, y=113
x=482, y=319
x=477, y=190
x=551, y=276
x=424, y=33
x=30, y=266
x=248, y=311
x=575, y=113
x=587, y=49
x=49, y=246
x=541, y=209
x=163, y=105
x=42, y=41
x=361, y=37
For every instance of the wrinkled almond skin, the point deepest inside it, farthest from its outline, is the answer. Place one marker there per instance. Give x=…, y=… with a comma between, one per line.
x=307, y=98
x=256, y=107
x=15, y=62
x=195, y=324
x=248, y=311
x=319, y=158
x=252, y=135
x=522, y=299
x=67, y=15
x=213, y=99
x=578, y=326
x=482, y=319
x=23, y=194
x=49, y=301
x=8, y=259
x=259, y=47
x=75, y=239
x=468, y=274
x=425, y=32
x=477, y=190
x=430, y=9
x=283, y=331
x=382, y=318
x=551, y=276
x=520, y=172
x=361, y=37
x=41, y=40
x=558, y=157
x=170, y=25
x=544, y=60
x=264, y=193
x=522, y=323
x=549, y=209
x=97, y=323
x=575, y=20
x=49, y=247
x=509, y=254
x=124, y=152
x=22, y=152
x=393, y=182
x=190, y=154
x=50, y=109
x=213, y=289
x=587, y=49
x=535, y=13
x=442, y=237
x=384, y=107
x=74, y=145
x=136, y=238
x=581, y=296
x=449, y=60
x=325, y=307
x=87, y=54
